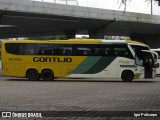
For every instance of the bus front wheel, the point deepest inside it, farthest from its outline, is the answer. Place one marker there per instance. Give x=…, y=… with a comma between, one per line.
x=47, y=75
x=127, y=76
x=32, y=74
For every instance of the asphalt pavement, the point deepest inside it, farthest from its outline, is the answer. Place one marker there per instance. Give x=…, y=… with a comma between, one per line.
x=77, y=95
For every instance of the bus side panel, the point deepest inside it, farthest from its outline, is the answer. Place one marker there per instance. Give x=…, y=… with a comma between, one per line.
x=63, y=70
x=110, y=71
x=83, y=66
x=15, y=69
x=95, y=67
x=52, y=66
x=128, y=64
x=125, y=64
x=66, y=68
x=12, y=65
x=41, y=66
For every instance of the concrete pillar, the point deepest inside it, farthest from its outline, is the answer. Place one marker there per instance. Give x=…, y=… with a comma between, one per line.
x=99, y=33
x=1, y=14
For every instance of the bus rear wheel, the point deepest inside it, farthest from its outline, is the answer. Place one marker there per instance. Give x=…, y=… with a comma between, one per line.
x=47, y=75
x=127, y=76
x=32, y=74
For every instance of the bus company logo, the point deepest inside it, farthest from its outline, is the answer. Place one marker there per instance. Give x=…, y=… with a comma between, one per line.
x=6, y=114
x=52, y=59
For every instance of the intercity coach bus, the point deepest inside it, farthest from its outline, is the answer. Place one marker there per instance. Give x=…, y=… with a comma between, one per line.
x=76, y=58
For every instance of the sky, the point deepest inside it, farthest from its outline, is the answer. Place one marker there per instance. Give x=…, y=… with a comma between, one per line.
x=139, y=6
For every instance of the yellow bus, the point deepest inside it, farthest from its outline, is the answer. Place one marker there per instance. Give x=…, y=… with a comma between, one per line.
x=76, y=58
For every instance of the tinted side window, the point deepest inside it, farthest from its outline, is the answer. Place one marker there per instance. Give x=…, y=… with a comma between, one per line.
x=45, y=49
x=38, y=49
x=122, y=51
x=102, y=50
x=83, y=50
x=27, y=49
x=12, y=48
x=63, y=49
x=138, y=51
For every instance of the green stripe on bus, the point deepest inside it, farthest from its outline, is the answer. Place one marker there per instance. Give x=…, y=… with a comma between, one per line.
x=100, y=65
x=92, y=65
x=85, y=65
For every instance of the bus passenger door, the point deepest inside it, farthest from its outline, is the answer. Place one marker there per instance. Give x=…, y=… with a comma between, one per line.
x=148, y=63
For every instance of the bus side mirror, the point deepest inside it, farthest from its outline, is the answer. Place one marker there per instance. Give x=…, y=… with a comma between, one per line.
x=156, y=65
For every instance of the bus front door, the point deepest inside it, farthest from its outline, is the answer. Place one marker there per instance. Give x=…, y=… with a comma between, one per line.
x=148, y=63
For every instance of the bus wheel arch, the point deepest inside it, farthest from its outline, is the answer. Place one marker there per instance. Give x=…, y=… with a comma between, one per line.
x=47, y=74
x=127, y=75
x=32, y=74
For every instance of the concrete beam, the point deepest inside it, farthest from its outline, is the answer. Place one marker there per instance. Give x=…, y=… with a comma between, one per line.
x=1, y=14
x=37, y=18
x=75, y=11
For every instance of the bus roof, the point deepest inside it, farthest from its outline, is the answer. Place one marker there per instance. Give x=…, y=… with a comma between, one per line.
x=80, y=41
x=131, y=42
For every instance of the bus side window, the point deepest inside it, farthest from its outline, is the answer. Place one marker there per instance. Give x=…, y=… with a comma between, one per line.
x=27, y=49
x=63, y=49
x=102, y=50
x=13, y=48
x=122, y=51
x=44, y=49
x=116, y=53
x=125, y=53
x=83, y=50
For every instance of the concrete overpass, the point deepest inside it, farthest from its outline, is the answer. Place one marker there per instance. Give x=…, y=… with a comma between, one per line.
x=33, y=18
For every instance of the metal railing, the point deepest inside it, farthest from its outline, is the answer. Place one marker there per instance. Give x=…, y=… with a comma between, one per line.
x=66, y=1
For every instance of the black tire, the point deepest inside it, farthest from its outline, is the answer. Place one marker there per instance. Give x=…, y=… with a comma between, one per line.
x=32, y=74
x=127, y=76
x=47, y=75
